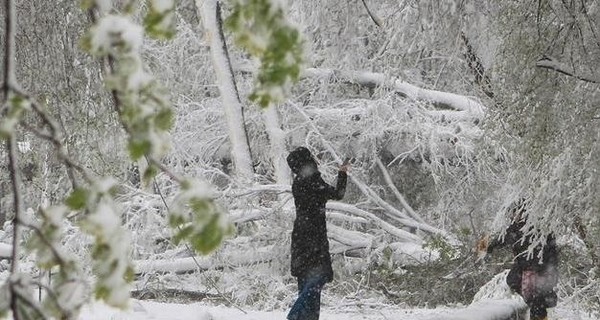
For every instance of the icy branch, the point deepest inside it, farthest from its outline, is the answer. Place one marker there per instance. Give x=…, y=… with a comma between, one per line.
x=373, y=80
x=551, y=63
x=399, y=233
x=399, y=196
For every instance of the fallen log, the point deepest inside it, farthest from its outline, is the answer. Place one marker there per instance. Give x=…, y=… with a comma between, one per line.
x=163, y=294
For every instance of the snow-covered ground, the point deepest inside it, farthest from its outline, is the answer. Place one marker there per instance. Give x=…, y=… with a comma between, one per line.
x=147, y=310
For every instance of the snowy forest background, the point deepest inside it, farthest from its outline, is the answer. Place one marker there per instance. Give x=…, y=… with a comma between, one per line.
x=451, y=110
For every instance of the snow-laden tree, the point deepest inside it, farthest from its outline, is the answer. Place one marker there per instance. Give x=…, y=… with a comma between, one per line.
x=446, y=126
x=546, y=117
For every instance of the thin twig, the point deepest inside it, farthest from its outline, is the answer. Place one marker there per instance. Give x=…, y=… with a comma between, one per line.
x=547, y=62
x=54, y=251
x=372, y=15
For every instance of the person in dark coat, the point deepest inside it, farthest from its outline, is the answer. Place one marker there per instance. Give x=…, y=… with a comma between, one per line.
x=533, y=278
x=311, y=261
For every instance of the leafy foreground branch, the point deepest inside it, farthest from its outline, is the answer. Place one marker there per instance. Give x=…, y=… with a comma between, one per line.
x=146, y=116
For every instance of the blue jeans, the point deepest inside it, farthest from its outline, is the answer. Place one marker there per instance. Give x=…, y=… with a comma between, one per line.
x=308, y=304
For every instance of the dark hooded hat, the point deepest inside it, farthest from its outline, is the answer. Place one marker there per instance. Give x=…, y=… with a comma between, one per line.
x=299, y=158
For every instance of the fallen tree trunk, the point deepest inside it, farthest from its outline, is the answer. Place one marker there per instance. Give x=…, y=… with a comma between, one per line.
x=162, y=294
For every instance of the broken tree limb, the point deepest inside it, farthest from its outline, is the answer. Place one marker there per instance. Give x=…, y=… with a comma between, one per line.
x=390, y=211
x=200, y=263
x=399, y=233
x=352, y=239
x=373, y=80
x=386, y=176
x=237, y=258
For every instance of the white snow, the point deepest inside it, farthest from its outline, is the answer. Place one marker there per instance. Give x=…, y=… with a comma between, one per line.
x=111, y=29
x=144, y=310
x=231, y=102
x=5, y=250
x=162, y=5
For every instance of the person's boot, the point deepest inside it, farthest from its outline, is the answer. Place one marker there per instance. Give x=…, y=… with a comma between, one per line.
x=538, y=314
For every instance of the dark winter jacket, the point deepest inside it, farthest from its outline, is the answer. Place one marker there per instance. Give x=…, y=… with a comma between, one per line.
x=515, y=238
x=310, y=246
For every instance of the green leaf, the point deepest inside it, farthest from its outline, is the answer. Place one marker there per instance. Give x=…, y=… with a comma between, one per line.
x=155, y=26
x=77, y=200
x=164, y=119
x=139, y=148
x=209, y=238
x=280, y=58
x=150, y=172
x=102, y=292
x=183, y=234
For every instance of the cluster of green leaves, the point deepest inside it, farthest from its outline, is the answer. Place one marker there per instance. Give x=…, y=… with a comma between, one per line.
x=67, y=284
x=439, y=244
x=159, y=22
x=146, y=114
x=261, y=28
x=110, y=251
x=198, y=219
x=142, y=103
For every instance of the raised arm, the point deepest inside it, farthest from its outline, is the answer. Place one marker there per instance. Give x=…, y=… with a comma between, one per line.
x=333, y=193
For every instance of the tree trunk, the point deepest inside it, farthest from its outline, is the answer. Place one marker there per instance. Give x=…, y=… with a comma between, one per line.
x=277, y=140
x=213, y=27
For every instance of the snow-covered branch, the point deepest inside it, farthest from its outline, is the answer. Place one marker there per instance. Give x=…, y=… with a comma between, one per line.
x=399, y=196
x=373, y=80
x=187, y=264
x=399, y=233
x=389, y=210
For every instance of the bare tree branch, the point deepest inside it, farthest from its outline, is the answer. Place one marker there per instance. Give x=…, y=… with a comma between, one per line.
x=547, y=62
x=11, y=146
x=372, y=15
x=481, y=77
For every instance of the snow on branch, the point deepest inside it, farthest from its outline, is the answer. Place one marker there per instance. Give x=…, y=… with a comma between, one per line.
x=188, y=264
x=5, y=250
x=399, y=233
x=547, y=62
x=373, y=80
